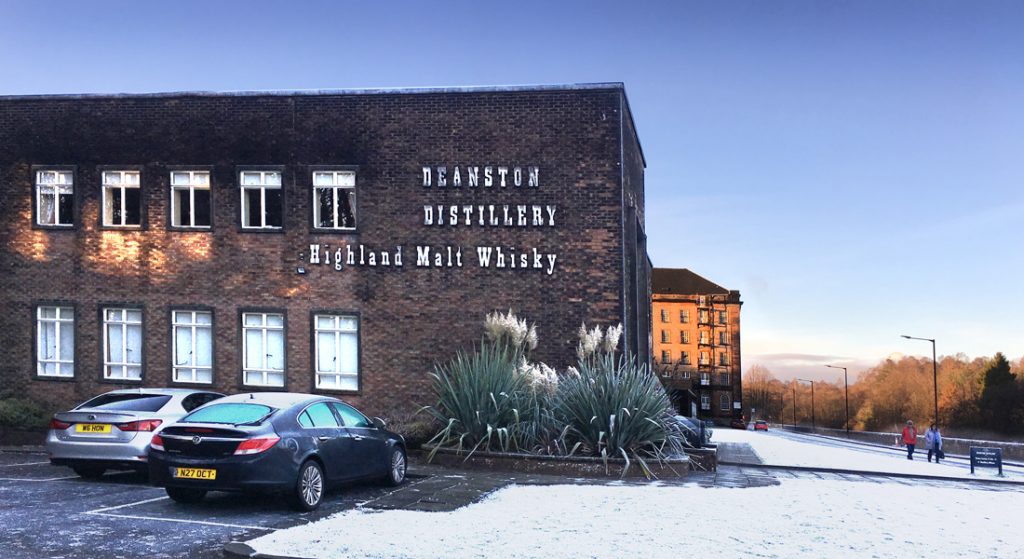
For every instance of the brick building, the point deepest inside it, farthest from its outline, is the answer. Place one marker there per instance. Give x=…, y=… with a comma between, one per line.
x=696, y=328
x=331, y=241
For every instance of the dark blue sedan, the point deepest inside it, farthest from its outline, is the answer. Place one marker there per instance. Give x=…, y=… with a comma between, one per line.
x=293, y=444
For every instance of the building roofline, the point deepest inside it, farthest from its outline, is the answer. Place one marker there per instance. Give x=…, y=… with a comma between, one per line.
x=617, y=86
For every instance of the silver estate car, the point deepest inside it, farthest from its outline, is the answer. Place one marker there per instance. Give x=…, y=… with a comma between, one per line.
x=113, y=430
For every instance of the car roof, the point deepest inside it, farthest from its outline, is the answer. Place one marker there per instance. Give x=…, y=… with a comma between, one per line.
x=272, y=399
x=164, y=391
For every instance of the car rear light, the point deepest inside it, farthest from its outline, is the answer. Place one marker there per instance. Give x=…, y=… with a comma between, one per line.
x=256, y=446
x=157, y=443
x=144, y=425
x=58, y=424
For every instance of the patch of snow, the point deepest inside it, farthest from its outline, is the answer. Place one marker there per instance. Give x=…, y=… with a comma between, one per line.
x=800, y=518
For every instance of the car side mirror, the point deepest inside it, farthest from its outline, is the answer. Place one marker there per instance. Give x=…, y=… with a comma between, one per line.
x=379, y=423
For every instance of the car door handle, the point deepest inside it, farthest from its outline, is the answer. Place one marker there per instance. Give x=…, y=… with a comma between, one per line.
x=357, y=437
x=323, y=438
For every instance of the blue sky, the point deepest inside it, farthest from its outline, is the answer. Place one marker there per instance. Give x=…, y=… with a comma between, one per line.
x=853, y=167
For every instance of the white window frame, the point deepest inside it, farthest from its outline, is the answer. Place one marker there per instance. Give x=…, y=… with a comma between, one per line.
x=684, y=336
x=122, y=180
x=704, y=337
x=704, y=358
x=684, y=316
x=722, y=338
x=705, y=379
x=264, y=367
x=664, y=315
x=338, y=330
x=263, y=186
x=123, y=364
x=197, y=180
x=664, y=336
x=705, y=402
x=64, y=317
x=191, y=369
x=63, y=182
x=342, y=183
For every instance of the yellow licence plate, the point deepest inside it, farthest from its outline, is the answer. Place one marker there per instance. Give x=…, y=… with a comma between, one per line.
x=195, y=473
x=92, y=428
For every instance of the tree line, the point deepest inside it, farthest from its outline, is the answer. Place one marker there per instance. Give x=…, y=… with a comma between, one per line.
x=981, y=395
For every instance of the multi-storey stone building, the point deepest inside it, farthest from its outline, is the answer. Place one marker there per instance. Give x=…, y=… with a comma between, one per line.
x=696, y=328
x=330, y=241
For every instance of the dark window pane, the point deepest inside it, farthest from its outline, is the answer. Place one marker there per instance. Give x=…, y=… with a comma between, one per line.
x=127, y=402
x=182, y=212
x=346, y=208
x=252, y=196
x=325, y=198
x=132, y=206
x=115, y=205
x=274, y=211
x=202, y=208
x=66, y=208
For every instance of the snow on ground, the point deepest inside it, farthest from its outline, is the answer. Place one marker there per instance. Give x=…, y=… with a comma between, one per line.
x=801, y=518
x=787, y=449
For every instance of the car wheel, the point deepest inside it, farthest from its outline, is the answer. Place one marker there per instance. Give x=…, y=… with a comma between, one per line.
x=184, y=495
x=309, y=487
x=397, y=467
x=89, y=472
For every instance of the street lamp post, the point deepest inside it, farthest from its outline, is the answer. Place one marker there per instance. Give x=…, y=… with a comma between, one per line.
x=794, y=404
x=846, y=383
x=935, y=373
x=812, y=401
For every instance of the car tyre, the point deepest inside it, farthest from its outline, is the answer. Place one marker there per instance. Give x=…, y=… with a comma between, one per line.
x=398, y=465
x=185, y=495
x=309, y=487
x=89, y=472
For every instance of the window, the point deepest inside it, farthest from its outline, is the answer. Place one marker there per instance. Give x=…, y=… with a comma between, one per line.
x=704, y=337
x=263, y=349
x=337, y=351
x=318, y=415
x=664, y=315
x=664, y=336
x=684, y=336
x=193, y=401
x=686, y=374
x=724, y=402
x=705, y=379
x=120, y=401
x=704, y=360
x=723, y=379
x=684, y=358
x=684, y=317
x=723, y=358
x=349, y=416
x=705, y=402
x=721, y=317
x=55, y=341
x=721, y=338
x=334, y=199
x=666, y=356
x=122, y=344
x=193, y=346
x=703, y=317
x=55, y=200
x=122, y=200
x=261, y=200
x=190, y=199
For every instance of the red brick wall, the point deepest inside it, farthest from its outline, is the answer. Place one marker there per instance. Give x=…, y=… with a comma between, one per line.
x=410, y=316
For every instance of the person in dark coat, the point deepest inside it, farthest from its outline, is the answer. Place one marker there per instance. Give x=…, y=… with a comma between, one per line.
x=910, y=438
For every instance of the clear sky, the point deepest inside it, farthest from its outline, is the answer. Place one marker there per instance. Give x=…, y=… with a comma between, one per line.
x=854, y=168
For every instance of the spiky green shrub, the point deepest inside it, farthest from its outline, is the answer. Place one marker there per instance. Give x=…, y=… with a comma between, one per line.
x=616, y=408
x=21, y=413
x=480, y=397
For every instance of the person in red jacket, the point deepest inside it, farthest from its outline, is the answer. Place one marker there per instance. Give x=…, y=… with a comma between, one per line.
x=910, y=438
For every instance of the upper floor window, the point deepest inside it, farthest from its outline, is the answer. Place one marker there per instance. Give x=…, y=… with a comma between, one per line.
x=122, y=199
x=666, y=356
x=723, y=359
x=263, y=349
x=55, y=341
x=334, y=199
x=721, y=317
x=723, y=379
x=664, y=315
x=684, y=357
x=704, y=337
x=664, y=336
x=704, y=359
x=703, y=317
x=193, y=346
x=337, y=352
x=705, y=402
x=190, y=199
x=684, y=336
x=122, y=344
x=262, y=201
x=55, y=198
x=684, y=316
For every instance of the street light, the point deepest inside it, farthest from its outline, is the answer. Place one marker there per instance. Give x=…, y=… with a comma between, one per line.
x=812, y=401
x=846, y=382
x=935, y=373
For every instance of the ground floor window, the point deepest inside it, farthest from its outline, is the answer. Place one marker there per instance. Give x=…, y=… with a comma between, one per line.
x=705, y=402
x=337, y=351
x=122, y=344
x=263, y=349
x=193, y=346
x=55, y=341
x=724, y=402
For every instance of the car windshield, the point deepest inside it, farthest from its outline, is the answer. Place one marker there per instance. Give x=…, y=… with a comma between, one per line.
x=127, y=402
x=228, y=413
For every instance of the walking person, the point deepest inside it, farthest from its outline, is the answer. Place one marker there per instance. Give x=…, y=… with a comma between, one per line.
x=910, y=438
x=933, y=442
